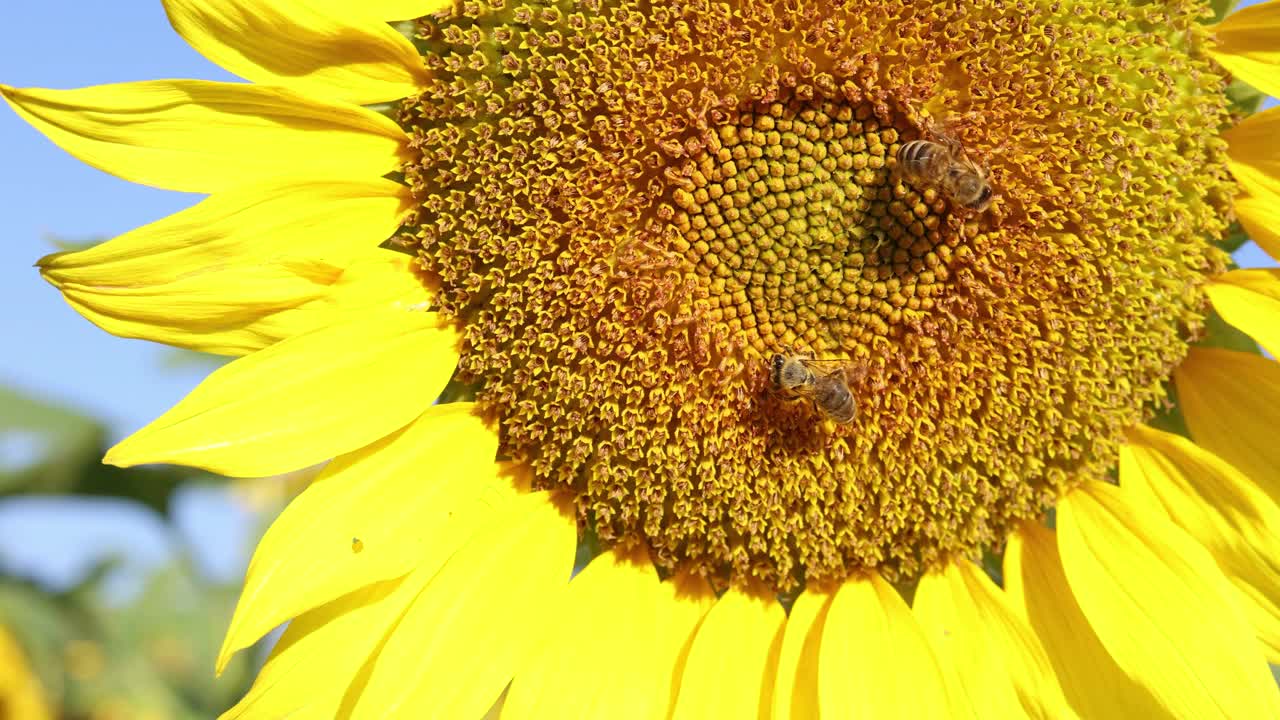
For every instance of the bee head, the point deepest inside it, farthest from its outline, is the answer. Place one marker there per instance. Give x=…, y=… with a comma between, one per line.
x=775, y=370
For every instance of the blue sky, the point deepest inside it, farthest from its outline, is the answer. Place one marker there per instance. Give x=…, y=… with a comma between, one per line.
x=52, y=352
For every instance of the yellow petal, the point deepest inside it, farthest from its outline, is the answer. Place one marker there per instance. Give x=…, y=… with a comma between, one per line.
x=795, y=690
x=1249, y=45
x=460, y=642
x=21, y=696
x=1037, y=590
x=875, y=659
x=734, y=658
x=201, y=136
x=1254, y=156
x=381, y=280
x=993, y=663
x=1250, y=300
x=314, y=662
x=236, y=310
x=1231, y=402
x=1219, y=507
x=296, y=45
x=617, y=608
x=1260, y=217
x=326, y=219
x=304, y=400
x=404, y=503
x=206, y=312
x=231, y=263
x=1161, y=607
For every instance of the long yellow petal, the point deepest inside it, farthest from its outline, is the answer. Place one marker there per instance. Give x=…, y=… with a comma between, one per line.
x=1250, y=300
x=1254, y=156
x=1231, y=402
x=875, y=659
x=1037, y=590
x=323, y=218
x=404, y=503
x=795, y=690
x=236, y=310
x=1161, y=607
x=1219, y=507
x=304, y=400
x=1260, y=217
x=1249, y=45
x=201, y=136
x=616, y=608
x=734, y=658
x=993, y=663
x=206, y=312
x=302, y=47
x=314, y=662
x=461, y=641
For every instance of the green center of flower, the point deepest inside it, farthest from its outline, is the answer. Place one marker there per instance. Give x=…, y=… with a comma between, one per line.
x=798, y=232
x=632, y=207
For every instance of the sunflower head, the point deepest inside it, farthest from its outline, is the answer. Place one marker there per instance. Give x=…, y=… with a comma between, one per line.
x=631, y=212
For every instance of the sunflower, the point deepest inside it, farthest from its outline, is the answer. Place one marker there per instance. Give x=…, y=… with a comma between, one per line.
x=594, y=225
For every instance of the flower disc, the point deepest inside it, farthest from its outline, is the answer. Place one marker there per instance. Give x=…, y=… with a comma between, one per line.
x=633, y=206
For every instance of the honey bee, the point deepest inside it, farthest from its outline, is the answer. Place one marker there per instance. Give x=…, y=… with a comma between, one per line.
x=945, y=166
x=825, y=383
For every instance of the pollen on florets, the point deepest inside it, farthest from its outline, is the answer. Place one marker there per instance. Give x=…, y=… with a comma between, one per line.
x=631, y=206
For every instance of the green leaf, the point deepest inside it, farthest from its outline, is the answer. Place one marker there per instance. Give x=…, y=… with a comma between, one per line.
x=1221, y=334
x=174, y=627
x=65, y=452
x=152, y=486
x=1168, y=417
x=1234, y=239
x=59, y=441
x=1243, y=98
x=1220, y=9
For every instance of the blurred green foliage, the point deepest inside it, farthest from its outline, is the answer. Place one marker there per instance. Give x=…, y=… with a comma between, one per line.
x=1221, y=8
x=100, y=657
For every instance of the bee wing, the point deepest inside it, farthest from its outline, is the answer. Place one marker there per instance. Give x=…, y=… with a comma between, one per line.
x=827, y=367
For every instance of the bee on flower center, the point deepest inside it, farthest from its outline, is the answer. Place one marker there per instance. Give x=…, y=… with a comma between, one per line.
x=945, y=166
x=825, y=383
